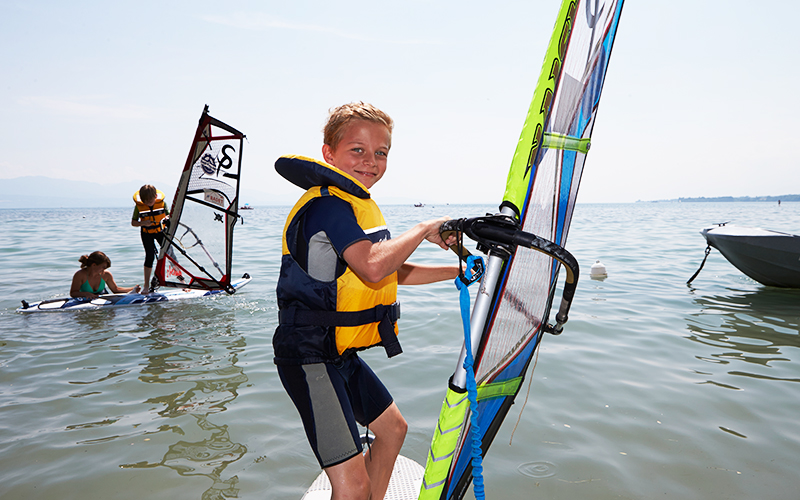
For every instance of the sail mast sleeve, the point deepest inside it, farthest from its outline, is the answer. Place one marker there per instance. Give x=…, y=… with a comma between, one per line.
x=520, y=174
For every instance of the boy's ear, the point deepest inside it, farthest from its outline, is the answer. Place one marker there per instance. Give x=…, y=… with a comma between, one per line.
x=327, y=154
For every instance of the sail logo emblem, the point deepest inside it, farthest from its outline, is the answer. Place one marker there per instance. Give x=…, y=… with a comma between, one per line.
x=211, y=165
x=208, y=163
x=175, y=272
x=214, y=197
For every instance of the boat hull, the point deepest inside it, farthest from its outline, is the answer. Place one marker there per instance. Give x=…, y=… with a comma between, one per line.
x=769, y=257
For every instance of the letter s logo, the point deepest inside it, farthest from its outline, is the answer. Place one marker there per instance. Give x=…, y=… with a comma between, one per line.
x=226, y=161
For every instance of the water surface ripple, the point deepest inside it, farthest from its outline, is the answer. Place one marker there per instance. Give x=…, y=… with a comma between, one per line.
x=656, y=389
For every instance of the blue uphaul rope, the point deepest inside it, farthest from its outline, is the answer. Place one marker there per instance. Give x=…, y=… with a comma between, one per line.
x=472, y=388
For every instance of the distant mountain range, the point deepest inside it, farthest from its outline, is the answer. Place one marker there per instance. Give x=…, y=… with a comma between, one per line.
x=46, y=192
x=771, y=199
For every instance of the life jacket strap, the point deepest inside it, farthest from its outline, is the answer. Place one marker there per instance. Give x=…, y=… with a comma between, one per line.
x=385, y=316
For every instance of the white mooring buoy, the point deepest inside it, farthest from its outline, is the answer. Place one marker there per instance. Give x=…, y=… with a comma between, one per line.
x=598, y=271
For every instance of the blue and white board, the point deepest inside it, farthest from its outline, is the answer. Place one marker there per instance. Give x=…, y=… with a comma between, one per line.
x=127, y=299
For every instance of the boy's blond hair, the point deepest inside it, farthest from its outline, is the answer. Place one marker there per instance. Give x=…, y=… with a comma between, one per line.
x=342, y=116
x=148, y=192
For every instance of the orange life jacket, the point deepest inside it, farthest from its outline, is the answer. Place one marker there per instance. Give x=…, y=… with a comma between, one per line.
x=321, y=321
x=156, y=213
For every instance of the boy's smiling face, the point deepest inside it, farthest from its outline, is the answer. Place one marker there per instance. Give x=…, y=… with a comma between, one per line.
x=362, y=152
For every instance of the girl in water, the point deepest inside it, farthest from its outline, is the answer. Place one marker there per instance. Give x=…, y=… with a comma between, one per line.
x=94, y=276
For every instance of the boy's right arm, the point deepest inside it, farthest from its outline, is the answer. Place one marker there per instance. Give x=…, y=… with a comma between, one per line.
x=375, y=261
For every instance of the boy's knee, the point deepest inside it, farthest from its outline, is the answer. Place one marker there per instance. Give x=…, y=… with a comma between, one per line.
x=355, y=488
x=402, y=426
x=349, y=483
x=361, y=487
x=396, y=423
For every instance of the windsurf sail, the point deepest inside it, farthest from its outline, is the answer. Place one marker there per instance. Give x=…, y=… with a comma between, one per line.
x=517, y=291
x=198, y=246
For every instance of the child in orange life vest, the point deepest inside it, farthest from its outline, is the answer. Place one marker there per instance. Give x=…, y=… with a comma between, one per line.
x=338, y=253
x=149, y=214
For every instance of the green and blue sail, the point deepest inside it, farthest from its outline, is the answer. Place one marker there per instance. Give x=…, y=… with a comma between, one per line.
x=540, y=192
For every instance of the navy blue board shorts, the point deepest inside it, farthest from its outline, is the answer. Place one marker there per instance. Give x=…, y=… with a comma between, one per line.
x=331, y=398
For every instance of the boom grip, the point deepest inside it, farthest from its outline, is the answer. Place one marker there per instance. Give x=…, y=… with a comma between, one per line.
x=449, y=227
x=502, y=231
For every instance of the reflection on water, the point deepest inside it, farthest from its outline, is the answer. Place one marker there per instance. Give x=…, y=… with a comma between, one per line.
x=200, y=351
x=208, y=457
x=759, y=327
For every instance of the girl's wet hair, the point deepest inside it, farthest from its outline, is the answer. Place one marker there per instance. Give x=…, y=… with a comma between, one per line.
x=97, y=257
x=342, y=116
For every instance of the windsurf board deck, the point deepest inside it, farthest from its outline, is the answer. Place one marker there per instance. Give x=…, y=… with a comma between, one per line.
x=127, y=299
x=404, y=484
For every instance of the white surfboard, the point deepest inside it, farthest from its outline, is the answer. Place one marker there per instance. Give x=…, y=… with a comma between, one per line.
x=112, y=300
x=404, y=484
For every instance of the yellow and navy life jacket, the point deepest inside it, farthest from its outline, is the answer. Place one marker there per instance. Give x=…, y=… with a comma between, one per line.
x=321, y=321
x=156, y=213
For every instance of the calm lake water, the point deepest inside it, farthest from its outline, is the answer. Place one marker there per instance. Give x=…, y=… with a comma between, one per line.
x=654, y=390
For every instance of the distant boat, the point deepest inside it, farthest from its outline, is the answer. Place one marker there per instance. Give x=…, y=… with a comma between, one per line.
x=246, y=206
x=419, y=205
x=769, y=257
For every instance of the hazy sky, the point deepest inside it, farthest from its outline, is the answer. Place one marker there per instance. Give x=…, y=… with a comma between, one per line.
x=698, y=101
